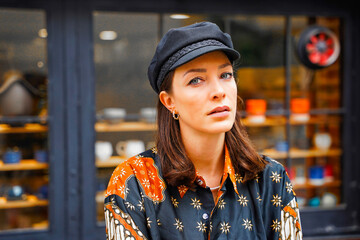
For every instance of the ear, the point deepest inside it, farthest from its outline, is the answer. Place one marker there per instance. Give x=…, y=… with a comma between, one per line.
x=167, y=100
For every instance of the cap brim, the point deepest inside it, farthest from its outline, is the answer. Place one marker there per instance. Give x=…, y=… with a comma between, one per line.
x=230, y=53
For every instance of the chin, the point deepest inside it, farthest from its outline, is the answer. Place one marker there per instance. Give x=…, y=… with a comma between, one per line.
x=221, y=127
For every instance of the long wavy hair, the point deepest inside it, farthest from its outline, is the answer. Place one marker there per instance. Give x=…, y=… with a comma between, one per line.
x=176, y=166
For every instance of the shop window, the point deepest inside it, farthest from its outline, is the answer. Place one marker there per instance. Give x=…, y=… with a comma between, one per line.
x=125, y=102
x=24, y=173
x=272, y=86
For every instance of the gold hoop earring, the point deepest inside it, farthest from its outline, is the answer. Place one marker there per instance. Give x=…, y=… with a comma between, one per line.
x=175, y=115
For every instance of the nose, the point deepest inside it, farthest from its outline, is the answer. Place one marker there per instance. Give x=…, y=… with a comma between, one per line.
x=217, y=91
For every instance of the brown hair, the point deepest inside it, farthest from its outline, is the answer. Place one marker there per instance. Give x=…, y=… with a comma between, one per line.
x=176, y=166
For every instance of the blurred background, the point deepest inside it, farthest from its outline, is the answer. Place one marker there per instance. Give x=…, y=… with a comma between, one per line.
x=75, y=102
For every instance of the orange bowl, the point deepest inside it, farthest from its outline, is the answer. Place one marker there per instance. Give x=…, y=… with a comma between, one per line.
x=256, y=106
x=300, y=105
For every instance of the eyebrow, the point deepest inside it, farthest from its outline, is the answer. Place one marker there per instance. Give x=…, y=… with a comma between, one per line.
x=204, y=70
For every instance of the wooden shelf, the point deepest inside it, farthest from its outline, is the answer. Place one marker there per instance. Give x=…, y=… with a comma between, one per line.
x=278, y=121
x=267, y=123
x=27, y=128
x=26, y=164
x=32, y=202
x=309, y=185
x=297, y=153
x=125, y=127
x=111, y=162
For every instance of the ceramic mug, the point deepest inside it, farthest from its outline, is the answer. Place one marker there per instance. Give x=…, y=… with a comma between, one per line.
x=316, y=175
x=322, y=141
x=103, y=150
x=130, y=148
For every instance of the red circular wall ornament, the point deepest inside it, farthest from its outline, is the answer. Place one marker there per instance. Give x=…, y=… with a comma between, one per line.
x=318, y=47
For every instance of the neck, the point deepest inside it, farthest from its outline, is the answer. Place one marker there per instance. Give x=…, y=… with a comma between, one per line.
x=206, y=151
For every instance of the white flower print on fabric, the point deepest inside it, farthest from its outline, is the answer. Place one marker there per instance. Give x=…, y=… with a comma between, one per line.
x=129, y=206
x=179, y=225
x=242, y=200
x=247, y=224
x=201, y=226
x=225, y=227
x=221, y=204
x=276, y=226
x=276, y=200
x=174, y=202
x=275, y=177
x=196, y=203
x=148, y=222
x=289, y=187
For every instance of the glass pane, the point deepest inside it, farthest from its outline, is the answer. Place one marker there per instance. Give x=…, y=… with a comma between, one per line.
x=315, y=105
x=24, y=174
x=122, y=91
x=261, y=73
x=125, y=102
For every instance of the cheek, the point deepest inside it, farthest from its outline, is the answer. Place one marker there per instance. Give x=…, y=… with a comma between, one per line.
x=190, y=103
x=232, y=93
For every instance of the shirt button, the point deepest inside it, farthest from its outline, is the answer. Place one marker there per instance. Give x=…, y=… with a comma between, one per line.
x=205, y=216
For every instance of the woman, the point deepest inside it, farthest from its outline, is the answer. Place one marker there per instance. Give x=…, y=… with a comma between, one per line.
x=204, y=180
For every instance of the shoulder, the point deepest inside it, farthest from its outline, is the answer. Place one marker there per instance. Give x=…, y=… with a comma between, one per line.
x=139, y=172
x=276, y=182
x=273, y=166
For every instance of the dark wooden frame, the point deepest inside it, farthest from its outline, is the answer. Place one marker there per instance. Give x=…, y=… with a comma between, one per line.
x=72, y=108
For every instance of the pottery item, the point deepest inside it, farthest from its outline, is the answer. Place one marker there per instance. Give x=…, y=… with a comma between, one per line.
x=300, y=175
x=300, y=108
x=114, y=115
x=328, y=200
x=328, y=173
x=41, y=156
x=255, y=109
x=130, y=148
x=322, y=141
x=12, y=156
x=282, y=146
x=17, y=97
x=316, y=175
x=103, y=150
x=15, y=193
x=148, y=114
x=314, y=202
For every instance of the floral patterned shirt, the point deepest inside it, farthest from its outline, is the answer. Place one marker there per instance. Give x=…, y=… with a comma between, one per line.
x=140, y=205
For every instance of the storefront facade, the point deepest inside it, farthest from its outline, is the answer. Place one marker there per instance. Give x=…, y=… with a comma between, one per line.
x=86, y=64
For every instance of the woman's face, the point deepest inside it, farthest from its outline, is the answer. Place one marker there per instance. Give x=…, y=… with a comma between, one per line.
x=204, y=93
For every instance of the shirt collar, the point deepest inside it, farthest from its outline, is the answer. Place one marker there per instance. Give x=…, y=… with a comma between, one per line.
x=228, y=172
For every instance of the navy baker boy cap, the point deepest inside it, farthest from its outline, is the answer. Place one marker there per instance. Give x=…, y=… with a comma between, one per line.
x=181, y=45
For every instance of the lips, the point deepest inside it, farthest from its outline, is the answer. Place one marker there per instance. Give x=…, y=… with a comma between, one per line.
x=220, y=110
